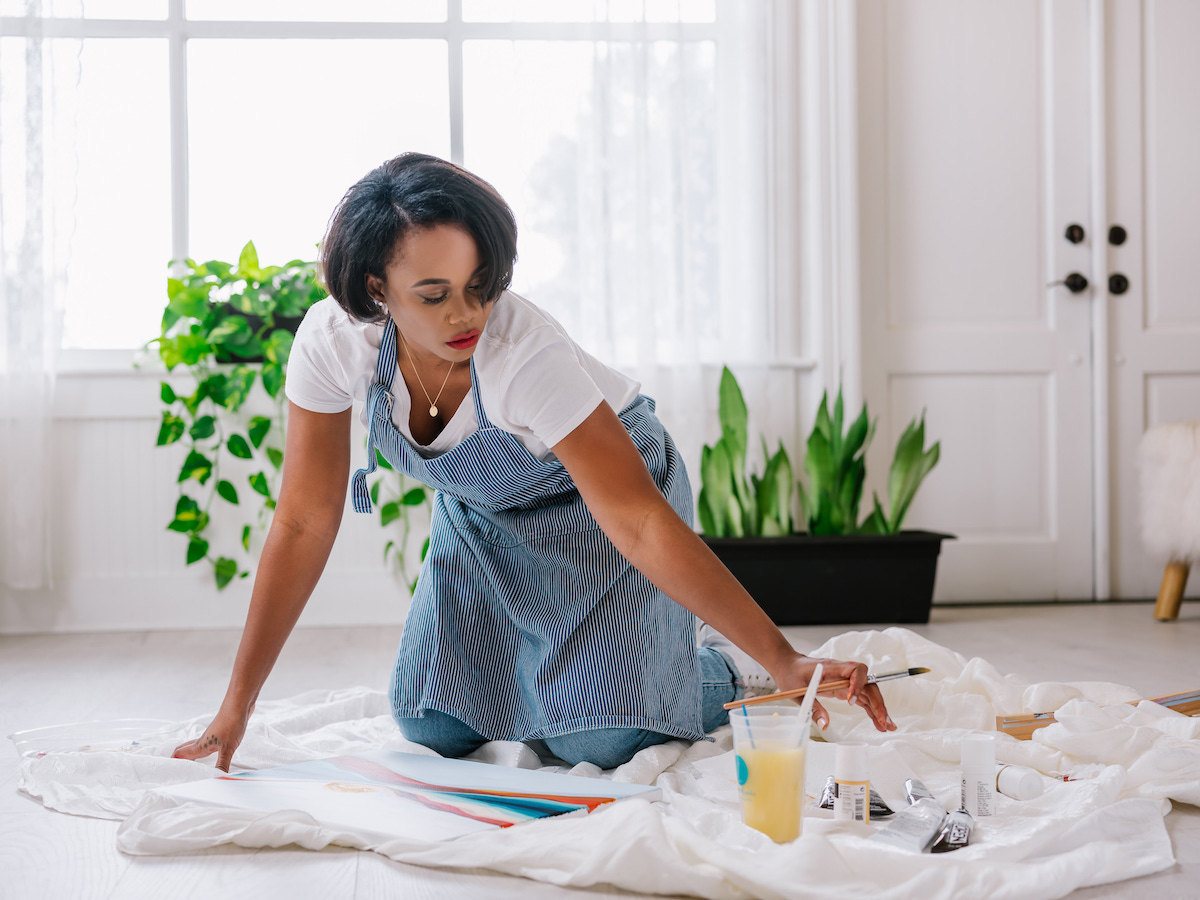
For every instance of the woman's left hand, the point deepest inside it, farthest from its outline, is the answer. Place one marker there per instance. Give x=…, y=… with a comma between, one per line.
x=797, y=672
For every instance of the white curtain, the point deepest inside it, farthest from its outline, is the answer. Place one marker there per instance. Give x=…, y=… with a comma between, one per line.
x=666, y=226
x=37, y=78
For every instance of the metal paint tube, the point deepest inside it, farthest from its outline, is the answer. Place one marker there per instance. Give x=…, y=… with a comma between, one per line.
x=879, y=809
x=955, y=833
x=918, y=826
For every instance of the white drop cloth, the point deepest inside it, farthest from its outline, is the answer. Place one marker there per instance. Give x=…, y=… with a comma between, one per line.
x=1105, y=827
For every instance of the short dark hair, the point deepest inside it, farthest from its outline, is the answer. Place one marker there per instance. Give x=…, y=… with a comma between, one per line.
x=413, y=191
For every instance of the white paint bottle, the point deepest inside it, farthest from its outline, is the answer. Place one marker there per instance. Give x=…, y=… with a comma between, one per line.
x=979, y=774
x=852, y=781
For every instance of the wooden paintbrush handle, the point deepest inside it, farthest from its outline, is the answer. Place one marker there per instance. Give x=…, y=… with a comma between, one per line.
x=824, y=688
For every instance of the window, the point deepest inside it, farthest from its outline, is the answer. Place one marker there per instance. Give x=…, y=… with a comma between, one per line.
x=628, y=135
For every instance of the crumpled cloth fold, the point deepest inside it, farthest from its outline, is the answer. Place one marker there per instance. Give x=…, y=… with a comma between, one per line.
x=1130, y=762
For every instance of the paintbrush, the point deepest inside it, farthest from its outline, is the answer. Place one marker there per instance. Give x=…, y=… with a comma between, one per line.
x=825, y=688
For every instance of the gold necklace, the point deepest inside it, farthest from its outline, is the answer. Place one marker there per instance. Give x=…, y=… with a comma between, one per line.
x=433, y=410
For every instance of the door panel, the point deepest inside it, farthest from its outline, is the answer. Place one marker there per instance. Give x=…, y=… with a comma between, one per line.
x=974, y=159
x=1154, y=193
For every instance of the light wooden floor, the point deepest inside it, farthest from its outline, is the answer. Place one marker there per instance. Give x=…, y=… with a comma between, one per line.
x=47, y=680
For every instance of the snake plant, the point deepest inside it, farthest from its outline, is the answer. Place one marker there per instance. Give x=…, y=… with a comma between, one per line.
x=734, y=503
x=836, y=468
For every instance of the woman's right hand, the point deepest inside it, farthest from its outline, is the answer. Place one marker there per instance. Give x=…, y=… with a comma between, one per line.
x=222, y=737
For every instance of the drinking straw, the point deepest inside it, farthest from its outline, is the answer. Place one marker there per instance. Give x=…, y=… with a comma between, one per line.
x=749, y=733
x=809, y=696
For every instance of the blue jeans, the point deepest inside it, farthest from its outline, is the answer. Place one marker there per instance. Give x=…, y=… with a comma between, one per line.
x=605, y=747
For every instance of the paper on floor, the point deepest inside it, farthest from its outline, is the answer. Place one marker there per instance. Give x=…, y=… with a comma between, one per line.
x=1106, y=827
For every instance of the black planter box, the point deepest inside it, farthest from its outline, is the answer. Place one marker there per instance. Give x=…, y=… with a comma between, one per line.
x=844, y=580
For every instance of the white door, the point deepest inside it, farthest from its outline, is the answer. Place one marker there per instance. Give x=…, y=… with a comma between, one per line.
x=974, y=154
x=1154, y=194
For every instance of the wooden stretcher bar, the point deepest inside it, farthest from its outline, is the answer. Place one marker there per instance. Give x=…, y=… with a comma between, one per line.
x=1024, y=725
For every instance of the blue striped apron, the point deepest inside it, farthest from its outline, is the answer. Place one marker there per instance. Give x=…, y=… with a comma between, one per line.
x=526, y=621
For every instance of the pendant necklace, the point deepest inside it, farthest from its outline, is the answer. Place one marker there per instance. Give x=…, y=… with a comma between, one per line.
x=433, y=410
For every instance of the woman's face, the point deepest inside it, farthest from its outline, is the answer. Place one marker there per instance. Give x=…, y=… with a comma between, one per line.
x=430, y=292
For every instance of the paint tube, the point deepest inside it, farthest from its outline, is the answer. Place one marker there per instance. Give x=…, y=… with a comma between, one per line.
x=918, y=826
x=955, y=833
x=879, y=809
x=1019, y=782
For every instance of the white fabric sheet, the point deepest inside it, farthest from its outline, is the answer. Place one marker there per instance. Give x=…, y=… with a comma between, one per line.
x=1106, y=826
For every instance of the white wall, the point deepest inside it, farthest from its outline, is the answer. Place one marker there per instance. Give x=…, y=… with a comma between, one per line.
x=116, y=566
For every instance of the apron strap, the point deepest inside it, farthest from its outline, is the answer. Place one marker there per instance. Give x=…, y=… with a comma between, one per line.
x=481, y=419
x=380, y=392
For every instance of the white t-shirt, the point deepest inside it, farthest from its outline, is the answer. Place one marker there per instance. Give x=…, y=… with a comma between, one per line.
x=533, y=380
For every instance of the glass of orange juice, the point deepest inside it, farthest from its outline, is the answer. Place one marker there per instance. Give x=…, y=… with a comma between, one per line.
x=769, y=741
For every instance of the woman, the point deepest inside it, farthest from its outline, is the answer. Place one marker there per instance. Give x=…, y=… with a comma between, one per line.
x=558, y=599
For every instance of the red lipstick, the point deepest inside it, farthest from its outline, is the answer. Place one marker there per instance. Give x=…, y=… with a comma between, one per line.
x=465, y=341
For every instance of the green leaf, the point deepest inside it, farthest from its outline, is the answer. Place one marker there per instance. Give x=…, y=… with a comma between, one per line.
x=774, y=495
x=167, y=393
x=858, y=437
x=414, y=497
x=272, y=378
x=232, y=332
x=197, y=466
x=275, y=455
x=707, y=525
x=717, y=490
x=247, y=266
x=389, y=513
x=187, y=515
x=190, y=303
x=197, y=549
x=259, y=426
x=224, y=569
x=424, y=550
x=258, y=481
x=835, y=425
x=731, y=409
x=238, y=385
x=382, y=462
x=278, y=347
x=215, y=387
x=823, y=425
x=227, y=491
x=174, y=288
x=387, y=549
x=183, y=349
x=246, y=538
x=802, y=497
x=238, y=447
x=876, y=522
x=375, y=491
x=171, y=430
x=203, y=427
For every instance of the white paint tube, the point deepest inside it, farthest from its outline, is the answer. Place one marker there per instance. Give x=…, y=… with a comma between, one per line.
x=1019, y=782
x=918, y=826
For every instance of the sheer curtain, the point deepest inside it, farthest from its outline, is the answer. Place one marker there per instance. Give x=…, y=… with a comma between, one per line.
x=37, y=146
x=647, y=221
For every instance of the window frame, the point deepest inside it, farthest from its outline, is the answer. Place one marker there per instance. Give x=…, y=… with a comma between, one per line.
x=178, y=30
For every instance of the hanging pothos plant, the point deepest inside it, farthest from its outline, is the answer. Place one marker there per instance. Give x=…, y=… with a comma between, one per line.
x=231, y=328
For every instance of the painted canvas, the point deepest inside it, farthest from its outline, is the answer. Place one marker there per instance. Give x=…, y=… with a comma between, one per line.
x=389, y=794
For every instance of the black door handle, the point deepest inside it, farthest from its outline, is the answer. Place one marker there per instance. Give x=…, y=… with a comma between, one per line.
x=1075, y=283
x=1117, y=283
